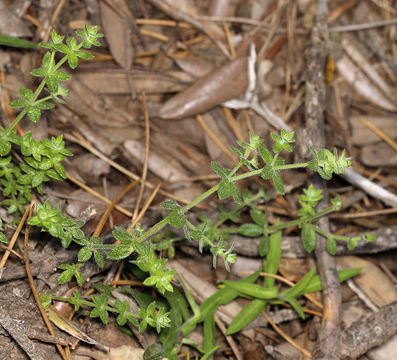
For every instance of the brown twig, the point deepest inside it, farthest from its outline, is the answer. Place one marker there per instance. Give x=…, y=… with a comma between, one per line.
x=146, y=158
x=77, y=138
x=328, y=342
x=286, y=337
x=106, y=214
x=13, y=239
x=98, y=195
x=33, y=286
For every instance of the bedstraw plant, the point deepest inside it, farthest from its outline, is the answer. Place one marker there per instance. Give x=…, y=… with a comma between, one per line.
x=170, y=316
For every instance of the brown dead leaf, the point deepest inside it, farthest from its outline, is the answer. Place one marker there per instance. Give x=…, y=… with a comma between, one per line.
x=116, y=26
x=196, y=67
x=225, y=83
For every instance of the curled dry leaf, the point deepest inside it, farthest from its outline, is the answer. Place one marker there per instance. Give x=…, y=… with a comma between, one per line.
x=362, y=85
x=225, y=83
x=117, y=29
x=195, y=67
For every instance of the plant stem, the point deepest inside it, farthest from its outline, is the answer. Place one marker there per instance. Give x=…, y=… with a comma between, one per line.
x=291, y=166
x=15, y=122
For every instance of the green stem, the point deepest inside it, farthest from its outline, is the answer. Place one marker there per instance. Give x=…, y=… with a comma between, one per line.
x=35, y=96
x=336, y=237
x=291, y=166
x=43, y=99
x=15, y=122
x=237, y=208
x=274, y=159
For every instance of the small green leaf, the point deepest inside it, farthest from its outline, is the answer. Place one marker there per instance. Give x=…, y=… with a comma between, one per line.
x=65, y=276
x=26, y=94
x=85, y=254
x=73, y=61
x=61, y=75
x=308, y=235
x=60, y=170
x=170, y=205
x=7, y=40
x=219, y=170
x=154, y=352
x=38, y=72
x=294, y=303
x=315, y=282
x=264, y=245
x=120, y=252
x=3, y=238
x=299, y=287
x=250, y=230
x=5, y=147
x=253, y=290
x=37, y=179
x=258, y=216
x=209, y=332
x=273, y=257
x=99, y=258
x=278, y=184
x=33, y=113
x=177, y=218
x=331, y=245
x=245, y=316
x=267, y=172
x=226, y=189
x=17, y=103
x=265, y=154
x=45, y=300
x=84, y=55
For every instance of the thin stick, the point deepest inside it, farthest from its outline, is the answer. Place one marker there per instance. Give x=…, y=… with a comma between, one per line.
x=386, y=138
x=77, y=138
x=342, y=28
x=229, y=40
x=154, y=35
x=106, y=214
x=13, y=239
x=214, y=138
x=286, y=337
x=146, y=158
x=98, y=195
x=33, y=286
x=228, y=338
x=364, y=214
x=7, y=109
x=146, y=205
x=161, y=22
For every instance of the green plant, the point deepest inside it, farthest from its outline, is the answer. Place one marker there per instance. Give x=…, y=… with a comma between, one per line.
x=168, y=312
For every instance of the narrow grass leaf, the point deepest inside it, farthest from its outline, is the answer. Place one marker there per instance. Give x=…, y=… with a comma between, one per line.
x=245, y=316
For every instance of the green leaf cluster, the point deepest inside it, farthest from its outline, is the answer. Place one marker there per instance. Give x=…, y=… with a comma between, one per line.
x=153, y=315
